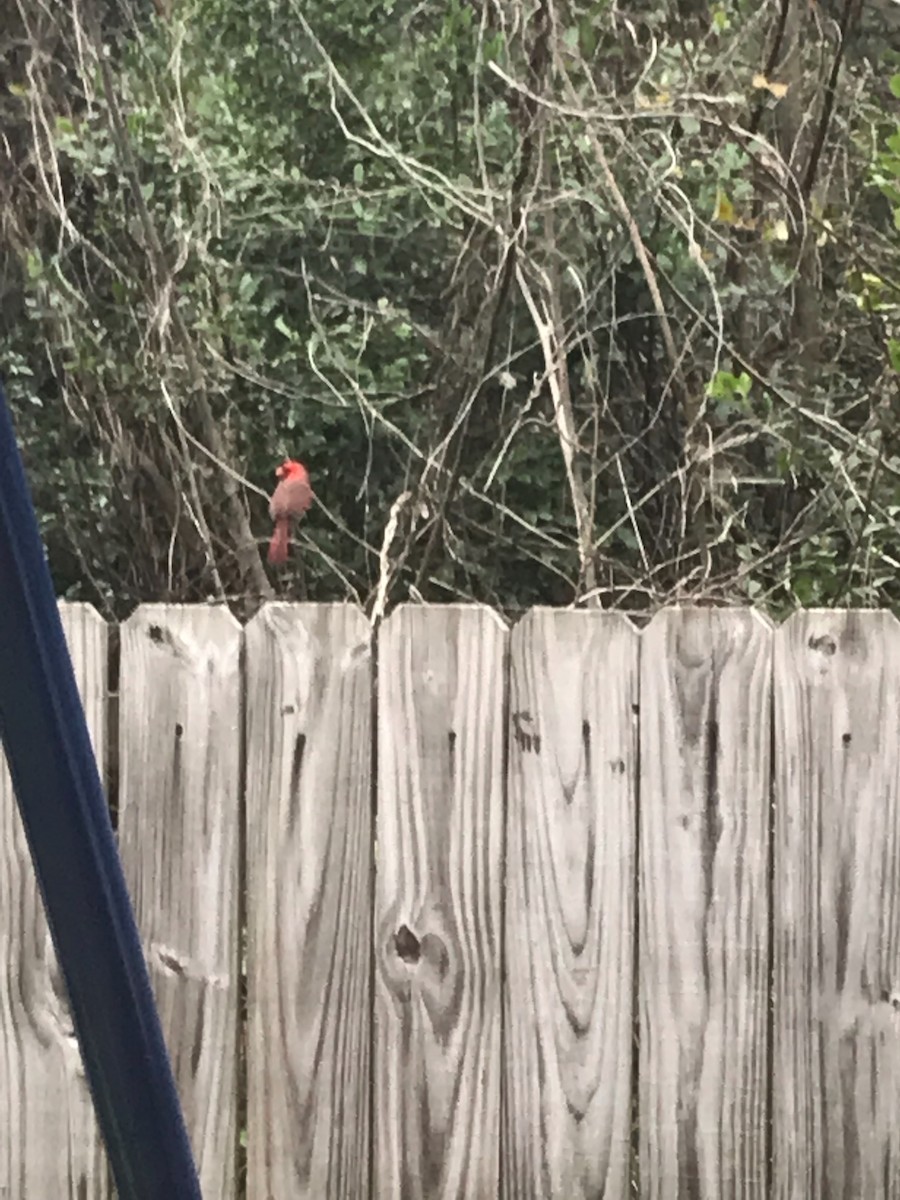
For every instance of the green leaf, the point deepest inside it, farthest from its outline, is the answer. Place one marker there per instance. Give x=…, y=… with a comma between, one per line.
x=587, y=36
x=247, y=287
x=894, y=85
x=893, y=349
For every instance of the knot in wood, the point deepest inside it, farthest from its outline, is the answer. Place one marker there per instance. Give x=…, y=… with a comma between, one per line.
x=825, y=644
x=407, y=945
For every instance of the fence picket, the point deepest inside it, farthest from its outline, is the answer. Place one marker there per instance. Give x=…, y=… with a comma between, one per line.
x=704, y=904
x=441, y=683
x=836, y=1115
x=309, y=872
x=179, y=822
x=49, y=1142
x=570, y=905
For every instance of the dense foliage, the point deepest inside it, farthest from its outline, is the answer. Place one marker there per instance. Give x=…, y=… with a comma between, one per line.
x=558, y=302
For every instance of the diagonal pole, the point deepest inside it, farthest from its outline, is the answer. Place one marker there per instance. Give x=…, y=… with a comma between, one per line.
x=60, y=796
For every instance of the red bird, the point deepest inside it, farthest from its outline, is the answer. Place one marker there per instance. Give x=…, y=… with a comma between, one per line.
x=291, y=498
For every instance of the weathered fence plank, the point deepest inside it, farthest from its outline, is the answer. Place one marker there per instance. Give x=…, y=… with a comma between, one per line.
x=309, y=874
x=570, y=906
x=179, y=822
x=438, y=919
x=704, y=904
x=49, y=1143
x=836, y=1124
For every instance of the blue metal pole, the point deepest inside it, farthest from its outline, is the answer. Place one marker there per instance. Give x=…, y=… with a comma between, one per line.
x=60, y=796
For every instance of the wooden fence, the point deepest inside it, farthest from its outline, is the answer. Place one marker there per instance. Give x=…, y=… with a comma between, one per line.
x=569, y=911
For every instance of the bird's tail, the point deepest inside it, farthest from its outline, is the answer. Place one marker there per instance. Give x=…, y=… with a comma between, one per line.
x=278, y=547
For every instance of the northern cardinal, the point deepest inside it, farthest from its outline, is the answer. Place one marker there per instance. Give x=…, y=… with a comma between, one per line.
x=291, y=498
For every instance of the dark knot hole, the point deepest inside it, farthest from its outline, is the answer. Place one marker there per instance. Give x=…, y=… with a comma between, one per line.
x=407, y=945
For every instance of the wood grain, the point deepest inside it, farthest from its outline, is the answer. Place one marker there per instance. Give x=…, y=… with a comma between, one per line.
x=837, y=907
x=704, y=904
x=438, y=893
x=49, y=1142
x=310, y=855
x=179, y=822
x=570, y=906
